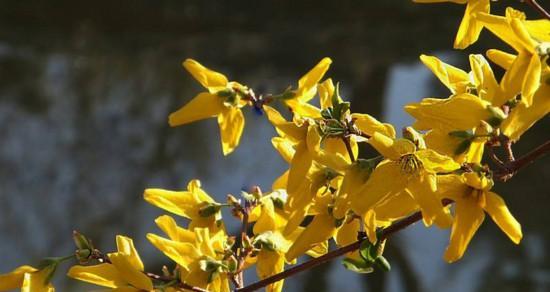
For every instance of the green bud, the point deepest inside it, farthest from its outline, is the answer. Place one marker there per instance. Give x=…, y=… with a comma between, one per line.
x=81, y=241
x=461, y=134
x=209, y=209
x=225, y=93
x=382, y=264
x=497, y=116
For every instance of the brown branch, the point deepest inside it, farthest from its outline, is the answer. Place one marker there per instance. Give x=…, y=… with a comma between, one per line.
x=514, y=166
x=538, y=7
x=331, y=255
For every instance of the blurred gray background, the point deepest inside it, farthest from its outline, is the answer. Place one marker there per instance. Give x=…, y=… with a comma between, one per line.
x=86, y=88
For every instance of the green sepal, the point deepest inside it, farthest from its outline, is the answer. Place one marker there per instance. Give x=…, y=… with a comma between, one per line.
x=463, y=146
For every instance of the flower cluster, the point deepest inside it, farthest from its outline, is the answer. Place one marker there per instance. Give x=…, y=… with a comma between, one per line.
x=435, y=169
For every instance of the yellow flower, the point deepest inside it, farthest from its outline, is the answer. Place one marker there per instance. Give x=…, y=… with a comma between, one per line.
x=124, y=272
x=28, y=279
x=524, y=75
x=307, y=88
x=472, y=197
x=408, y=167
x=194, y=204
x=470, y=28
x=222, y=100
x=199, y=257
x=480, y=81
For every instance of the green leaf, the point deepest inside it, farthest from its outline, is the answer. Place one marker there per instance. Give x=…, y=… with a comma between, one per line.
x=357, y=266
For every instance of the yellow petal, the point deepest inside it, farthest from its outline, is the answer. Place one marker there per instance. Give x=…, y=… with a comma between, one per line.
x=501, y=58
x=183, y=253
x=299, y=167
x=326, y=91
x=231, y=122
x=303, y=109
x=320, y=229
x=105, y=275
x=539, y=29
x=173, y=231
x=14, y=279
x=267, y=220
x=496, y=207
x=203, y=75
x=284, y=147
x=179, y=203
x=435, y=162
x=458, y=112
x=531, y=81
x=126, y=269
x=484, y=78
x=522, y=117
x=35, y=282
x=347, y=233
x=390, y=148
x=281, y=182
x=310, y=80
x=443, y=143
x=452, y=186
x=385, y=180
x=470, y=28
x=368, y=125
x=453, y=78
x=500, y=27
x=513, y=78
x=285, y=129
x=270, y=263
x=397, y=207
x=468, y=218
x=204, y=105
x=125, y=245
x=337, y=146
x=422, y=189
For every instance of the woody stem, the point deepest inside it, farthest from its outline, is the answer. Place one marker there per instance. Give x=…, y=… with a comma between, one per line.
x=538, y=7
x=332, y=254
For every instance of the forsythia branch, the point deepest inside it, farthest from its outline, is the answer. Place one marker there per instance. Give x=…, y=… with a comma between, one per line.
x=512, y=167
x=333, y=254
x=538, y=7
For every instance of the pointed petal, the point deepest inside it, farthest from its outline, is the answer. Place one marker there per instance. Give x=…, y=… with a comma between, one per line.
x=470, y=28
x=453, y=78
x=179, y=203
x=326, y=90
x=385, y=180
x=203, y=75
x=390, y=148
x=14, y=279
x=522, y=117
x=531, y=81
x=347, y=233
x=503, y=59
x=320, y=229
x=168, y=225
x=270, y=263
x=125, y=245
x=310, y=80
x=422, y=189
x=435, y=162
x=183, y=253
x=126, y=269
x=202, y=106
x=496, y=207
x=468, y=218
x=231, y=122
x=105, y=275
x=368, y=125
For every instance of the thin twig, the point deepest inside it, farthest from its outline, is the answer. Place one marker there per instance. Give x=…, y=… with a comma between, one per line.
x=332, y=254
x=538, y=7
x=514, y=166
